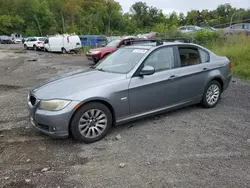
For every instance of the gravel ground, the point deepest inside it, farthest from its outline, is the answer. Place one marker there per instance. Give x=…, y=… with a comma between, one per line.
x=190, y=147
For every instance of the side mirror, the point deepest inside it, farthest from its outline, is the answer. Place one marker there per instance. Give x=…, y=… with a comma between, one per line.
x=147, y=70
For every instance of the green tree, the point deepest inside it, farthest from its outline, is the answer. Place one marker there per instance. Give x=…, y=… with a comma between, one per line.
x=10, y=24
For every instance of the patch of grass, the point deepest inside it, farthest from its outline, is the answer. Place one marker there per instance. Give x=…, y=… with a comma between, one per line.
x=237, y=50
x=84, y=50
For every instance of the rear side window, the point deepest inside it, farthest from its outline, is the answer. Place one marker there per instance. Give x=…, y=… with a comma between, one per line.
x=42, y=39
x=189, y=56
x=191, y=28
x=33, y=39
x=204, y=56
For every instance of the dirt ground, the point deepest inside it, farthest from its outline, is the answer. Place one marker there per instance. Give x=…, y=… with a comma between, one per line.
x=190, y=147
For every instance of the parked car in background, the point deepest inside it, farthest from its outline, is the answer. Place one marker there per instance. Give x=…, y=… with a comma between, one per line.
x=35, y=43
x=93, y=40
x=189, y=29
x=63, y=43
x=240, y=28
x=97, y=54
x=24, y=39
x=209, y=28
x=5, y=39
x=148, y=35
x=16, y=38
x=133, y=82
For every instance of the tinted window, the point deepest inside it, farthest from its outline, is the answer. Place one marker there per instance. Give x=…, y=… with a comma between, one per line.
x=161, y=59
x=42, y=39
x=204, y=56
x=189, y=56
x=33, y=39
x=123, y=43
x=122, y=61
x=237, y=26
x=191, y=28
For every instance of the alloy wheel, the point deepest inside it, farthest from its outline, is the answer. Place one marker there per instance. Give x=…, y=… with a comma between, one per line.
x=92, y=123
x=213, y=94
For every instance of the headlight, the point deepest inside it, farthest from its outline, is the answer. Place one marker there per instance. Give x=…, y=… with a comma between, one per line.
x=53, y=105
x=95, y=52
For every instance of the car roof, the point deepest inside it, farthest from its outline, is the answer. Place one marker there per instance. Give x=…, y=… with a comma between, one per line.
x=127, y=37
x=153, y=44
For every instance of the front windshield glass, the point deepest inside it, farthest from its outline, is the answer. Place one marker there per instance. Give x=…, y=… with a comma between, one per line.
x=113, y=43
x=121, y=61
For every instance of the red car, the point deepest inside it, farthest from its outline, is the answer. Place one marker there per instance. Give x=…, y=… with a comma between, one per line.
x=97, y=54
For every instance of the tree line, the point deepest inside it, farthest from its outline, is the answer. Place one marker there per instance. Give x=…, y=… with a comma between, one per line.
x=48, y=17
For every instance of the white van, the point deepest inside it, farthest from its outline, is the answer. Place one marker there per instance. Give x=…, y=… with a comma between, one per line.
x=16, y=38
x=62, y=43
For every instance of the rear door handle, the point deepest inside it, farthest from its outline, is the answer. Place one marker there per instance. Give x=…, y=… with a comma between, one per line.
x=205, y=69
x=173, y=77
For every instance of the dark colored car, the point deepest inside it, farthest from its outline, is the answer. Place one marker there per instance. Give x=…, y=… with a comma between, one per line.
x=97, y=54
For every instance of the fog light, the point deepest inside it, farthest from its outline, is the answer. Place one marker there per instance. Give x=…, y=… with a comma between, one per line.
x=53, y=129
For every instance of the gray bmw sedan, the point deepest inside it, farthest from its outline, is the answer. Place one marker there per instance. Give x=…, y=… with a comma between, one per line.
x=135, y=81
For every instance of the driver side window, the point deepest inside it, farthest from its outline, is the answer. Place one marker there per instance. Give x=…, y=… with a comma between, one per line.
x=161, y=59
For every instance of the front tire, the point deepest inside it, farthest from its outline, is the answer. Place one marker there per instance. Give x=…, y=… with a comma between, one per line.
x=64, y=51
x=212, y=94
x=91, y=122
x=25, y=47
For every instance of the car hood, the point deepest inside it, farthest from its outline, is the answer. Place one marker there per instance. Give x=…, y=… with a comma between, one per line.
x=65, y=85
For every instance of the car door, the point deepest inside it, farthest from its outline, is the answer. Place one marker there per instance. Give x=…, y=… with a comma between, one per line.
x=31, y=42
x=28, y=42
x=46, y=44
x=193, y=72
x=156, y=91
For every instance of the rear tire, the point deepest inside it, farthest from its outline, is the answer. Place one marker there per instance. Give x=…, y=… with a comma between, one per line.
x=95, y=61
x=211, y=94
x=64, y=51
x=35, y=48
x=91, y=122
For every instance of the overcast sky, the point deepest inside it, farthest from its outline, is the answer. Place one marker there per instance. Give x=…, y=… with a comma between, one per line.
x=185, y=5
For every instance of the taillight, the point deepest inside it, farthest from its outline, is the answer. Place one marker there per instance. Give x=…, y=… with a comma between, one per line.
x=230, y=65
x=38, y=42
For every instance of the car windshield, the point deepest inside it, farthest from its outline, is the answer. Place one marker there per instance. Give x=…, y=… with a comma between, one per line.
x=113, y=43
x=121, y=61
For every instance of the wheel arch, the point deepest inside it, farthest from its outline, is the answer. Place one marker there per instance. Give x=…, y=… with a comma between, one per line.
x=218, y=79
x=102, y=101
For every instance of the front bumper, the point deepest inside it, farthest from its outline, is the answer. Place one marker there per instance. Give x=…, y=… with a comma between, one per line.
x=52, y=123
x=93, y=57
x=40, y=47
x=227, y=81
